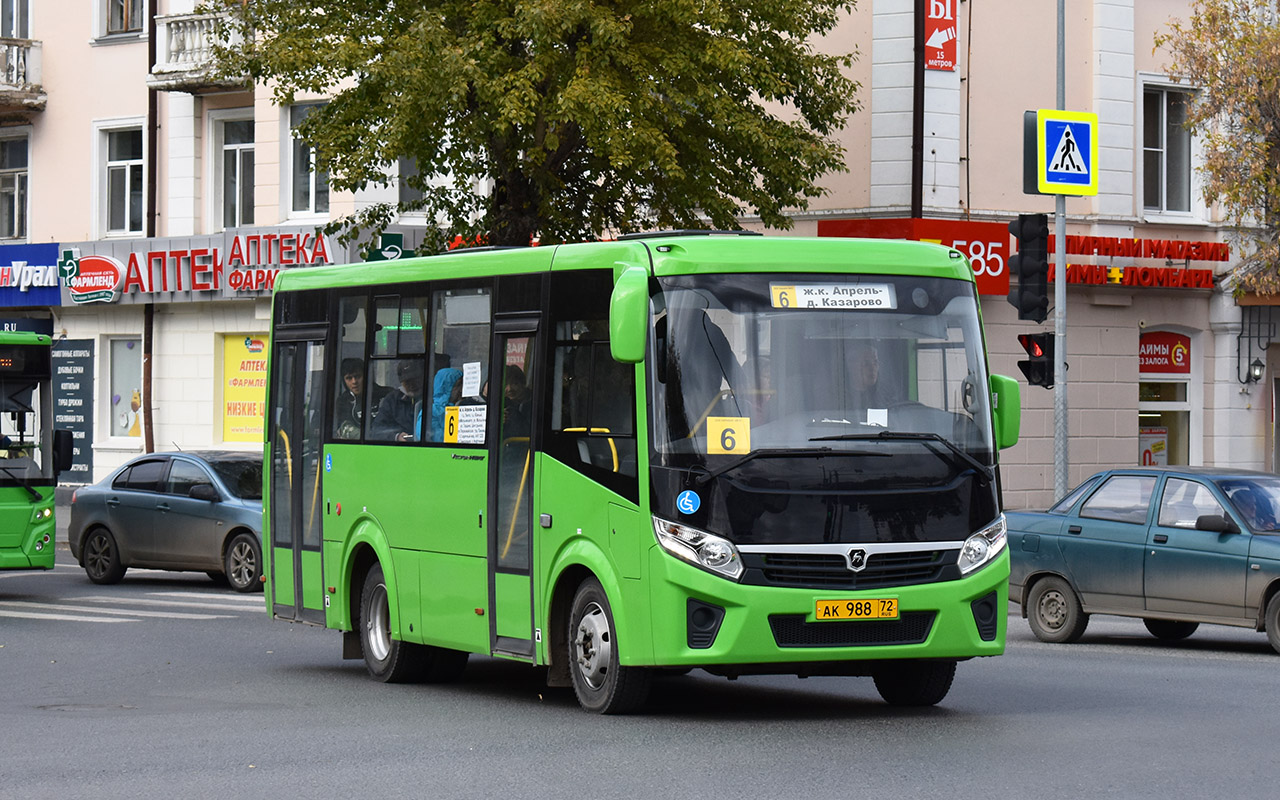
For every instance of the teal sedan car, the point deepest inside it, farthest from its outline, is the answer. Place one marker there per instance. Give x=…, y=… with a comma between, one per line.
x=1175, y=547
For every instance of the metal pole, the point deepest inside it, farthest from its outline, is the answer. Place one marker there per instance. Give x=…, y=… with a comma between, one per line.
x=1060, y=459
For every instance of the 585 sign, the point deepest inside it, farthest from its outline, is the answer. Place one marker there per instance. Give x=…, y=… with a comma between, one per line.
x=985, y=243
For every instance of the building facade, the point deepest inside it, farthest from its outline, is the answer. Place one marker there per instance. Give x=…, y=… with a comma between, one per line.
x=145, y=207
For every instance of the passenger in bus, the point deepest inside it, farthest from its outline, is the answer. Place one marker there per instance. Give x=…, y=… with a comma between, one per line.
x=352, y=400
x=517, y=403
x=445, y=391
x=395, y=418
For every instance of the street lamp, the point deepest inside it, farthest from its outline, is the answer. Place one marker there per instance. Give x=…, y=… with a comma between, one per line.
x=1256, y=368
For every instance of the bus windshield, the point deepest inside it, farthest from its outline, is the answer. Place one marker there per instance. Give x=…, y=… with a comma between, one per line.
x=869, y=389
x=21, y=419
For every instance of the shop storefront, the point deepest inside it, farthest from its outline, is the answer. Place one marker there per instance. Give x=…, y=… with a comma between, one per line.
x=207, y=303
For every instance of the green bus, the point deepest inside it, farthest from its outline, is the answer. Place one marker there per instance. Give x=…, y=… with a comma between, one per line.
x=31, y=452
x=732, y=452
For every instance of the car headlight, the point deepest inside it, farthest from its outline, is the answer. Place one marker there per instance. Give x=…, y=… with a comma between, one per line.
x=699, y=548
x=983, y=546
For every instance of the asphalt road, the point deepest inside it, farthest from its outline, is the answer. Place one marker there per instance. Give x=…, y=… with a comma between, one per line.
x=166, y=686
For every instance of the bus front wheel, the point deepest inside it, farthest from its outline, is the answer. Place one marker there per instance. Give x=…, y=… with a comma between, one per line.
x=915, y=683
x=600, y=682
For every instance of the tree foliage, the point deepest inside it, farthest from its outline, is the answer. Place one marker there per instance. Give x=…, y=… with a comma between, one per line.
x=1230, y=51
x=562, y=119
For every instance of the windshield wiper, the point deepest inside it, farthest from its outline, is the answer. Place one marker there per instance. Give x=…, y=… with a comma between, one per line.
x=23, y=483
x=777, y=452
x=982, y=469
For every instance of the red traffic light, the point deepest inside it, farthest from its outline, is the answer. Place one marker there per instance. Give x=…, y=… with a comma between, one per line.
x=1038, y=369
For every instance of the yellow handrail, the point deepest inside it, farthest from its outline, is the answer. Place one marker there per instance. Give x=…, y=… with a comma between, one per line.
x=612, y=447
x=524, y=476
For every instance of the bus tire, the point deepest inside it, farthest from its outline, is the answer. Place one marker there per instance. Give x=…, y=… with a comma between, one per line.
x=1054, y=612
x=600, y=682
x=388, y=660
x=242, y=563
x=915, y=683
x=102, y=557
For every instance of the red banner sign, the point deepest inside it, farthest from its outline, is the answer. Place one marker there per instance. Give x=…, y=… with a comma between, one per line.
x=940, y=35
x=985, y=243
x=1164, y=351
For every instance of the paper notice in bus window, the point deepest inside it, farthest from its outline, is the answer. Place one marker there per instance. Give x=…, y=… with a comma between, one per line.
x=868, y=296
x=728, y=435
x=471, y=421
x=471, y=379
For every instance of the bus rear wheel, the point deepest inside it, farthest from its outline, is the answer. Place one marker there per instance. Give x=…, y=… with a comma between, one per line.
x=391, y=660
x=600, y=682
x=915, y=683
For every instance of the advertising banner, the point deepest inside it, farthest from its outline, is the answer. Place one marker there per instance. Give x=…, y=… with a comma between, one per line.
x=73, y=403
x=1164, y=351
x=244, y=388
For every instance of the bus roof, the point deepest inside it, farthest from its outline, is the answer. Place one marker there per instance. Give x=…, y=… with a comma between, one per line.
x=677, y=254
x=25, y=337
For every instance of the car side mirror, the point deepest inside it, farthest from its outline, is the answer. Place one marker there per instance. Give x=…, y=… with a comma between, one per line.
x=204, y=491
x=1218, y=523
x=63, y=442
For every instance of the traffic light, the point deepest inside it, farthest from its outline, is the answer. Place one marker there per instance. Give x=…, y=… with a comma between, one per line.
x=1039, y=366
x=1031, y=266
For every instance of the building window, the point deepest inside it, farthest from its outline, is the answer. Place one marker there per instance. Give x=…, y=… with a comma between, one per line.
x=14, y=22
x=309, y=186
x=13, y=188
x=126, y=387
x=409, y=195
x=124, y=16
x=124, y=181
x=237, y=173
x=1166, y=150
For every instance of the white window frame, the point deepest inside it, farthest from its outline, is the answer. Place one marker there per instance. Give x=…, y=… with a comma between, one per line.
x=216, y=125
x=101, y=219
x=19, y=12
x=1197, y=212
x=287, y=140
x=112, y=410
x=24, y=175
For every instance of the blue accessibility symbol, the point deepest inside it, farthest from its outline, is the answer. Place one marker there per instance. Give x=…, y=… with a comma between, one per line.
x=328, y=462
x=688, y=502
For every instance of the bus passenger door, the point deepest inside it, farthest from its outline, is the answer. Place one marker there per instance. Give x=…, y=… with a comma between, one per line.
x=511, y=477
x=295, y=581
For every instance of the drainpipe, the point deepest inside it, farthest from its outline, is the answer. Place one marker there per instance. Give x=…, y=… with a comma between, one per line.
x=917, y=116
x=152, y=167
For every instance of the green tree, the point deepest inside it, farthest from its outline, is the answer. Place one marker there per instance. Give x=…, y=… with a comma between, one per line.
x=1230, y=51
x=562, y=119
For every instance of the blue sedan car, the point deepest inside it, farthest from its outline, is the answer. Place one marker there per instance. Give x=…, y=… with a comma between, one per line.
x=1175, y=547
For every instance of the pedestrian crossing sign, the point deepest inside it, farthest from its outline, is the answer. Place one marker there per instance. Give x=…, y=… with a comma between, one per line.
x=1067, y=152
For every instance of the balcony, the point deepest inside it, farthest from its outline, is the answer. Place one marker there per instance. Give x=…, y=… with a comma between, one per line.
x=21, y=94
x=184, y=54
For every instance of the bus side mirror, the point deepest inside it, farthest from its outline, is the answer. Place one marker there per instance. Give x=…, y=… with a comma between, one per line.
x=62, y=450
x=629, y=315
x=1006, y=411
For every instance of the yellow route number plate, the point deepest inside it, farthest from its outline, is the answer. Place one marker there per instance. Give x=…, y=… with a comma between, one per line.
x=875, y=608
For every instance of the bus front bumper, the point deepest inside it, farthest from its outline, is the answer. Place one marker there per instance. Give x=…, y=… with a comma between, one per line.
x=700, y=619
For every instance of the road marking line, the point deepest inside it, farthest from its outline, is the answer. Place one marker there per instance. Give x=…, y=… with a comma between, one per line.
x=118, y=612
x=142, y=602
x=62, y=617
x=247, y=599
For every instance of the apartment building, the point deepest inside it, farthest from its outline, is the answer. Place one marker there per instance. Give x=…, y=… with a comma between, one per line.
x=146, y=205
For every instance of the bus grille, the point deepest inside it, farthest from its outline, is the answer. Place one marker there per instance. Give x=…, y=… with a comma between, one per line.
x=830, y=571
x=791, y=630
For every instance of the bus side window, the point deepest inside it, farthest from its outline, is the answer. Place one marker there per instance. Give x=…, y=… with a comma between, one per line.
x=354, y=393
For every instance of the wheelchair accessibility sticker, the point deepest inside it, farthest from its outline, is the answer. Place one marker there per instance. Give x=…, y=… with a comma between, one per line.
x=688, y=502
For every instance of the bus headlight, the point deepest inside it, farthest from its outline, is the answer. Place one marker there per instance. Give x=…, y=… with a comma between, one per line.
x=983, y=546
x=699, y=548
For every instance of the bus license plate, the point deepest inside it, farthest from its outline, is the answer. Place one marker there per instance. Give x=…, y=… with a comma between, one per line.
x=875, y=608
